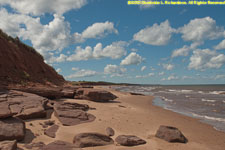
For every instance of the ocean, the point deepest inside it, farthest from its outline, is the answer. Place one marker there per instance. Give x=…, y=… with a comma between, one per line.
x=205, y=102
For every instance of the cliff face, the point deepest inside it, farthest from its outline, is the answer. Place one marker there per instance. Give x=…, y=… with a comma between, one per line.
x=20, y=64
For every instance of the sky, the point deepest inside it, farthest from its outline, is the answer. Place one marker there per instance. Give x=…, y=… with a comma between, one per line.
x=109, y=40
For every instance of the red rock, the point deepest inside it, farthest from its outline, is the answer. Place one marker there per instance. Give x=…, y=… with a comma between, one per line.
x=8, y=145
x=60, y=145
x=51, y=131
x=171, y=134
x=72, y=113
x=12, y=129
x=94, y=95
x=91, y=139
x=129, y=140
x=26, y=105
x=20, y=64
x=110, y=131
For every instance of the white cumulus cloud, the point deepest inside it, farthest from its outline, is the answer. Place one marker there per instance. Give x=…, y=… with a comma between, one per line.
x=143, y=68
x=168, y=66
x=132, y=59
x=114, y=51
x=206, y=59
x=114, y=70
x=156, y=34
x=82, y=73
x=201, y=29
x=220, y=46
x=97, y=30
x=39, y=7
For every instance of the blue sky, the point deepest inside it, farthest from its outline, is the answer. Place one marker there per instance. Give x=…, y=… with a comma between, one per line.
x=108, y=40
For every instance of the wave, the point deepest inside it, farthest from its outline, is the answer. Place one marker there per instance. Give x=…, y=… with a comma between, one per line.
x=208, y=100
x=209, y=118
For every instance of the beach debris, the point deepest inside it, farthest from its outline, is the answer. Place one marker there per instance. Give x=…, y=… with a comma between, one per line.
x=129, y=140
x=171, y=134
x=94, y=95
x=51, y=131
x=91, y=140
x=60, y=145
x=110, y=131
x=12, y=129
x=8, y=145
x=70, y=114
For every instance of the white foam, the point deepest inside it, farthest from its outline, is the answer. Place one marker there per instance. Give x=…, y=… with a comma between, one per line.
x=208, y=100
x=186, y=91
x=216, y=92
x=209, y=118
x=167, y=100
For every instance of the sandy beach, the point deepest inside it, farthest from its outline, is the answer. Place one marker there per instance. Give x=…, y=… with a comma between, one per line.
x=132, y=115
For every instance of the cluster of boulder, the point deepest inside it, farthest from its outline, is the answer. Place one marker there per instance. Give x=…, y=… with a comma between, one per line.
x=16, y=106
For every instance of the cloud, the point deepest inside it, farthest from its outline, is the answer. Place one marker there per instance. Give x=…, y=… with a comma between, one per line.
x=172, y=77
x=155, y=35
x=132, y=59
x=50, y=58
x=206, y=59
x=220, y=46
x=114, y=70
x=40, y=7
x=184, y=51
x=97, y=30
x=82, y=73
x=44, y=38
x=143, y=68
x=161, y=73
x=145, y=76
x=201, y=29
x=58, y=70
x=114, y=51
x=75, y=69
x=168, y=66
x=219, y=76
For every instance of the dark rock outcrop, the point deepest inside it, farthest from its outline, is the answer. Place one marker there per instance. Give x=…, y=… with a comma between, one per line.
x=171, y=134
x=26, y=105
x=51, y=131
x=129, y=140
x=17, y=62
x=91, y=139
x=5, y=111
x=8, y=145
x=72, y=113
x=94, y=95
x=12, y=129
x=35, y=146
x=60, y=145
x=110, y=131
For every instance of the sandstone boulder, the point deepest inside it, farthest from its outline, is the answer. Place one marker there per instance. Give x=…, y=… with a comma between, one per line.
x=26, y=105
x=129, y=140
x=60, y=145
x=12, y=129
x=72, y=113
x=91, y=139
x=8, y=145
x=94, y=95
x=171, y=134
x=110, y=131
x=51, y=131
x=5, y=110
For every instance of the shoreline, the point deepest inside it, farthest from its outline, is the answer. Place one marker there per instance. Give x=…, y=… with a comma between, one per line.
x=131, y=115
